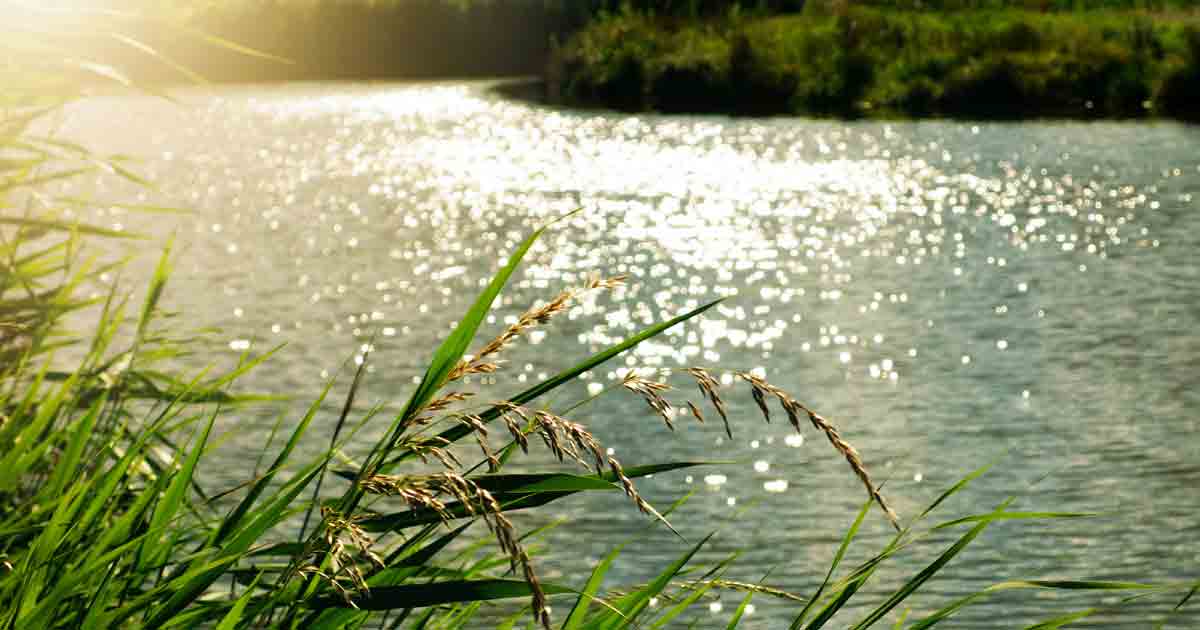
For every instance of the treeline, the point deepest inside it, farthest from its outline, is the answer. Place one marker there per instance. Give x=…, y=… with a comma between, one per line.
x=365, y=39
x=857, y=61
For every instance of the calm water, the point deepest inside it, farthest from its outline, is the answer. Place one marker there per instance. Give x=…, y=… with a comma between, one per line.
x=950, y=293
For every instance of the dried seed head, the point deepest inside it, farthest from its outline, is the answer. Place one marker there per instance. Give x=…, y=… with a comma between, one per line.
x=435, y=447
x=794, y=409
x=427, y=491
x=745, y=587
x=466, y=367
x=534, y=316
x=594, y=281
x=563, y=437
x=417, y=492
x=443, y=403
x=475, y=423
x=627, y=484
x=710, y=389
x=492, y=460
x=515, y=429
x=568, y=439
x=760, y=389
x=346, y=594
x=340, y=535
x=632, y=493
x=548, y=429
x=651, y=392
x=856, y=463
x=541, y=611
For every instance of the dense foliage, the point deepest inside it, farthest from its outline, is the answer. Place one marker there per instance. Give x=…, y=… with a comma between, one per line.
x=861, y=61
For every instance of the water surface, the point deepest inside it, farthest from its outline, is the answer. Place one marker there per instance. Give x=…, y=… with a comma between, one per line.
x=949, y=293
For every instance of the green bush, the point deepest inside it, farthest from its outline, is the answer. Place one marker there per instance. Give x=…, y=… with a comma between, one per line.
x=606, y=63
x=694, y=75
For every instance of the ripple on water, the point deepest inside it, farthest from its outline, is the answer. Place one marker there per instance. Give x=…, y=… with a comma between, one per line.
x=947, y=292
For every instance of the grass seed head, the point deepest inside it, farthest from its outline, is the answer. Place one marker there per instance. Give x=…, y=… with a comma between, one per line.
x=534, y=316
x=651, y=392
x=761, y=389
x=710, y=389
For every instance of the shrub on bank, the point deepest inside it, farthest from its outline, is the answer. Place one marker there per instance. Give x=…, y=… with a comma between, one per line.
x=696, y=70
x=606, y=63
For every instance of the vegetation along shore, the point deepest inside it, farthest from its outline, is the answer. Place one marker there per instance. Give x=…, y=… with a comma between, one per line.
x=885, y=58
x=888, y=61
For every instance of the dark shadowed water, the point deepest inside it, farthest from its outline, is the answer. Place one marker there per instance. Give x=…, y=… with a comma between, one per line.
x=949, y=293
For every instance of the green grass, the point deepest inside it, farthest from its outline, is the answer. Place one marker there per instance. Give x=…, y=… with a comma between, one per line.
x=106, y=521
x=867, y=61
x=102, y=529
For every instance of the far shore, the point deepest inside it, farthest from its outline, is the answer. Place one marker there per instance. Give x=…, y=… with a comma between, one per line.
x=883, y=63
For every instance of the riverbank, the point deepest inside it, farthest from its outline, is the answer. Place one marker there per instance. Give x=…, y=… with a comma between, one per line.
x=879, y=62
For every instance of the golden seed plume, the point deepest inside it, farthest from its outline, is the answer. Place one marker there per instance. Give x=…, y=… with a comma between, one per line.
x=435, y=447
x=426, y=491
x=340, y=538
x=534, y=316
x=632, y=493
x=710, y=389
x=651, y=392
x=760, y=389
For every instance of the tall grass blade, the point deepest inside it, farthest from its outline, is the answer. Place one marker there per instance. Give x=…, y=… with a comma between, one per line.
x=60, y=226
x=837, y=560
x=337, y=431
x=234, y=519
x=928, y=572
x=949, y=610
x=150, y=51
x=154, y=293
x=455, y=346
x=590, y=589
x=630, y=606
x=233, y=618
x=740, y=612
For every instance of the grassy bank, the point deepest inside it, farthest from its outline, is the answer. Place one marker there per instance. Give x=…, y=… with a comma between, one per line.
x=885, y=62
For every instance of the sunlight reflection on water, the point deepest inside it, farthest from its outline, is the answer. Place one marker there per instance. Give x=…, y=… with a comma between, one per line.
x=948, y=292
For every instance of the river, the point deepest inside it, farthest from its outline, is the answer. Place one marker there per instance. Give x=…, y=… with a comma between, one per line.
x=949, y=293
